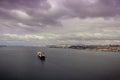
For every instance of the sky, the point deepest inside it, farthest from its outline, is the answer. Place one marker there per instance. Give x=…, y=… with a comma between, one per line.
x=53, y=22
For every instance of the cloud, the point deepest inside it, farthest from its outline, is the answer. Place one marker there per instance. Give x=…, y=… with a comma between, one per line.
x=60, y=21
x=57, y=38
x=94, y=8
x=50, y=12
x=20, y=14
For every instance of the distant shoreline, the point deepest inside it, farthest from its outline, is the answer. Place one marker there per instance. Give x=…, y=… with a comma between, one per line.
x=104, y=48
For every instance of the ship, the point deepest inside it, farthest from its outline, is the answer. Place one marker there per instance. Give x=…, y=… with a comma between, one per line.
x=41, y=55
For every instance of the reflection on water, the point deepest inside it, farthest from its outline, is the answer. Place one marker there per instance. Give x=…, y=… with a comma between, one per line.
x=22, y=63
x=42, y=60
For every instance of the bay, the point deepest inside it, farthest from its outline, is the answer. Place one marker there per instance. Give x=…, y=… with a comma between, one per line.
x=22, y=63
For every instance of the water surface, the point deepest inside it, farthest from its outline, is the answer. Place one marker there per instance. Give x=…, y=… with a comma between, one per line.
x=22, y=63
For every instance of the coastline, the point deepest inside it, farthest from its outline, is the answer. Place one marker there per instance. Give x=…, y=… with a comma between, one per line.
x=104, y=48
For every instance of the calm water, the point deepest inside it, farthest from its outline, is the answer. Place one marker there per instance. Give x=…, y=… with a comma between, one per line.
x=22, y=63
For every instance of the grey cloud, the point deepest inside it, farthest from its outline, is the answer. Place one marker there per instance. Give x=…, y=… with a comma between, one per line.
x=24, y=8
x=50, y=38
x=40, y=11
x=19, y=4
x=47, y=16
x=100, y=8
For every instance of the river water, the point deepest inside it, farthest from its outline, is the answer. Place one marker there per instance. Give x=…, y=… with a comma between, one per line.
x=22, y=63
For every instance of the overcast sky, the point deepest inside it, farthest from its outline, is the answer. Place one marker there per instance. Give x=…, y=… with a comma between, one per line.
x=47, y=22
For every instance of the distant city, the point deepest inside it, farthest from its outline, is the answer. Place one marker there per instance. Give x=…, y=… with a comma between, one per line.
x=106, y=48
